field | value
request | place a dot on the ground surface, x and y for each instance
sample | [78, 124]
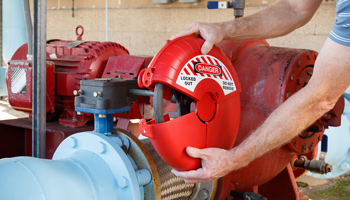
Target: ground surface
[317, 189]
[325, 189]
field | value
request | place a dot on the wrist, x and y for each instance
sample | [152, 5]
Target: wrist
[229, 29]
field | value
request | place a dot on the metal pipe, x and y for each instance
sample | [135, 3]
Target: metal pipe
[158, 103]
[238, 6]
[315, 166]
[141, 92]
[148, 93]
[39, 80]
[29, 28]
[13, 27]
[85, 166]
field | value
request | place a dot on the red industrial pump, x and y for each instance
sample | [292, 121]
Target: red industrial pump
[221, 98]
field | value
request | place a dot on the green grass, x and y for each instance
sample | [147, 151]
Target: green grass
[339, 191]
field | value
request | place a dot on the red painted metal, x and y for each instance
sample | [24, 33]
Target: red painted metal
[127, 66]
[16, 136]
[211, 82]
[74, 61]
[22, 100]
[268, 76]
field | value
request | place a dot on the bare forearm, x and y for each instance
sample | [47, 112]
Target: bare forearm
[276, 20]
[330, 79]
[287, 121]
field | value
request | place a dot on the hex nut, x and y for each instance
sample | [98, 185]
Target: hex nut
[101, 148]
[123, 182]
[72, 142]
[345, 166]
[203, 194]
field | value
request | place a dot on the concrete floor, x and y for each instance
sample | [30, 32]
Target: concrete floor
[6, 112]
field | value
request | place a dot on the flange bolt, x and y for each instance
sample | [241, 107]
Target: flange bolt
[122, 182]
[203, 194]
[97, 94]
[76, 92]
[143, 176]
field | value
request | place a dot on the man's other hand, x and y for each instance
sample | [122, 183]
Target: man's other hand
[215, 164]
[212, 33]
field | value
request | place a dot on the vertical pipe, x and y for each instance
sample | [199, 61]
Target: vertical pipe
[13, 27]
[106, 20]
[29, 28]
[39, 80]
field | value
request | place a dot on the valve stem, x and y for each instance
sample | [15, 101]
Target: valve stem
[315, 166]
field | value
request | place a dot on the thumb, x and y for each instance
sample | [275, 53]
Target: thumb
[206, 47]
[193, 152]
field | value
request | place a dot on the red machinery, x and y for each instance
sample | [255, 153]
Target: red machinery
[267, 76]
[68, 63]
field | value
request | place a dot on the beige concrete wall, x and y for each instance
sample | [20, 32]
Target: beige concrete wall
[143, 27]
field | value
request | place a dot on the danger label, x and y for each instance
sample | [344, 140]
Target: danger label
[204, 67]
[207, 68]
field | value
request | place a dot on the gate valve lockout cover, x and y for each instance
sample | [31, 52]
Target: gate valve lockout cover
[209, 82]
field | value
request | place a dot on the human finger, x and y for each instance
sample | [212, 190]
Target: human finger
[193, 176]
[193, 28]
[194, 152]
[206, 47]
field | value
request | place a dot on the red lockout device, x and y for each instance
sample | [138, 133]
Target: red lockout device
[207, 81]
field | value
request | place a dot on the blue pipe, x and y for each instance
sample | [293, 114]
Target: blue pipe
[13, 26]
[87, 165]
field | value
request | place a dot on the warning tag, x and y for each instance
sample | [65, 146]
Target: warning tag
[203, 67]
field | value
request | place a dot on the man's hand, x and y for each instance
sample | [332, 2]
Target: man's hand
[212, 33]
[215, 164]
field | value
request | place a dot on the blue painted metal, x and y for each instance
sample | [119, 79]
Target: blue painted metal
[13, 26]
[96, 111]
[86, 165]
[103, 124]
[213, 5]
[338, 145]
[103, 118]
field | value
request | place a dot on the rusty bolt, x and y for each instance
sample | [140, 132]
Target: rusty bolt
[299, 63]
[288, 94]
[311, 145]
[308, 55]
[304, 149]
[329, 168]
[295, 143]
